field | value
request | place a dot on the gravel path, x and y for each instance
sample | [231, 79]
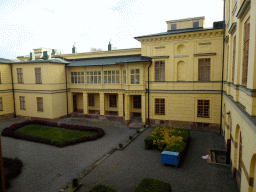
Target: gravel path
[48, 168]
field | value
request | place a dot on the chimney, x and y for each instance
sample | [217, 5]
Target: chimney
[74, 49]
[46, 55]
[109, 46]
[32, 56]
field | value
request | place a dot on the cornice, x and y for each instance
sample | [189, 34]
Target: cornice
[204, 54]
[232, 29]
[244, 9]
[183, 36]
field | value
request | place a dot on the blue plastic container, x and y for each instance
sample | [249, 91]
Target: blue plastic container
[169, 157]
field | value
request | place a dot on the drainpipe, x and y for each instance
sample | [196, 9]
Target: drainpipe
[148, 93]
[66, 87]
[223, 56]
[13, 93]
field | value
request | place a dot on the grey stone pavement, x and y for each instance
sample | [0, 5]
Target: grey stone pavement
[48, 168]
[124, 169]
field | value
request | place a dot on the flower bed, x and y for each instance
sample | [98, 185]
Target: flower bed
[11, 132]
[168, 139]
[153, 185]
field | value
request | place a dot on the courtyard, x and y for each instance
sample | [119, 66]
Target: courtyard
[48, 169]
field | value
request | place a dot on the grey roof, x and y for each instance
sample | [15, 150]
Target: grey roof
[170, 32]
[52, 60]
[2, 60]
[99, 61]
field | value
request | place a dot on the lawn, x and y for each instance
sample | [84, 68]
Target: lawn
[53, 133]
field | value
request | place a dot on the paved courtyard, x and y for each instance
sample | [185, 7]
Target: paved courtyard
[48, 168]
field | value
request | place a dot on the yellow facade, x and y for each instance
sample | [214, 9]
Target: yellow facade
[238, 106]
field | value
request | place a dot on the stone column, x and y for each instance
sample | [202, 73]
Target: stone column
[102, 104]
[70, 103]
[120, 105]
[127, 109]
[143, 109]
[85, 102]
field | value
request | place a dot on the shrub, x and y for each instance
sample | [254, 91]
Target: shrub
[102, 188]
[12, 167]
[177, 147]
[149, 185]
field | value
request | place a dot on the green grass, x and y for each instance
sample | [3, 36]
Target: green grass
[53, 133]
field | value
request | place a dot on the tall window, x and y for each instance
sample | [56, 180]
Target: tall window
[203, 108]
[1, 104]
[111, 77]
[40, 104]
[77, 77]
[137, 101]
[20, 75]
[0, 78]
[204, 69]
[234, 60]
[173, 26]
[38, 75]
[196, 24]
[159, 70]
[91, 99]
[93, 77]
[124, 76]
[159, 106]
[135, 76]
[22, 102]
[112, 101]
[246, 51]
[227, 60]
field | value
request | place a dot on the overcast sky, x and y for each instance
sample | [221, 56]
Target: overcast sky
[58, 24]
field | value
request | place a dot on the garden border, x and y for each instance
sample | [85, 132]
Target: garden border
[11, 132]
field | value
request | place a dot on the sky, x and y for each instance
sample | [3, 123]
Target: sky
[58, 24]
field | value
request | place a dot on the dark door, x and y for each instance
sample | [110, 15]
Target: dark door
[74, 103]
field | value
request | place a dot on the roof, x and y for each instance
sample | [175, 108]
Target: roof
[99, 61]
[53, 60]
[2, 60]
[170, 32]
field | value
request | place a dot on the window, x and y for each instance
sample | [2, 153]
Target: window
[124, 76]
[159, 71]
[0, 78]
[111, 77]
[137, 101]
[40, 104]
[246, 52]
[77, 77]
[159, 106]
[204, 70]
[135, 76]
[22, 102]
[93, 77]
[203, 108]
[38, 75]
[112, 101]
[227, 60]
[196, 24]
[20, 75]
[234, 60]
[173, 26]
[91, 99]
[1, 104]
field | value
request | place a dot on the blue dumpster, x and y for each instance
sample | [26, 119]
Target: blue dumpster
[169, 157]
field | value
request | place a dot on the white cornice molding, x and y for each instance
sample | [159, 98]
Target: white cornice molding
[182, 36]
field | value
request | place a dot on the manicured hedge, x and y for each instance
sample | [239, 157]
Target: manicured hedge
[168, 139]
[102, 188]
[11, 132]
[153, 185]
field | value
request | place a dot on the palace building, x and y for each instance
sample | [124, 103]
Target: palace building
[188, 76]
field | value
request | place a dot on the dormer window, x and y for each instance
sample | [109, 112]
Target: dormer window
[174, 26]
[196, 24]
